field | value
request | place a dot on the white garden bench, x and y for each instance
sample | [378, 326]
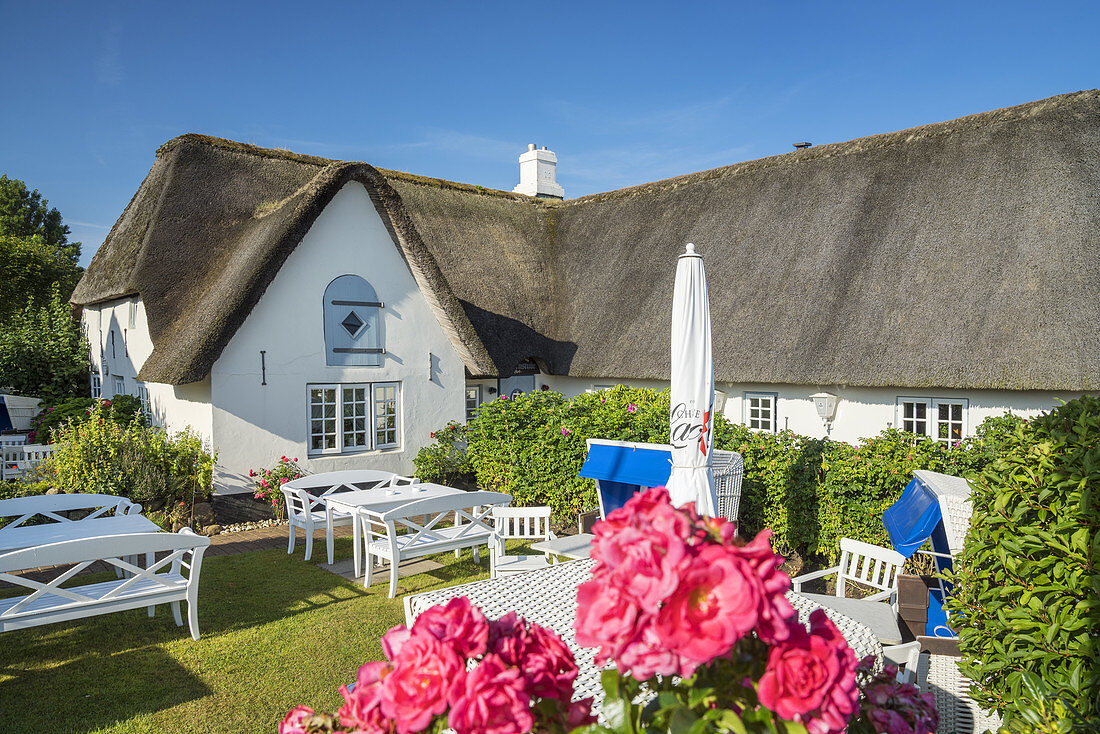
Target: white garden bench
[161, 582]
[21, 459]
[417, 529]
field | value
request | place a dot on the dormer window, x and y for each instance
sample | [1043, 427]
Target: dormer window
[353, 329]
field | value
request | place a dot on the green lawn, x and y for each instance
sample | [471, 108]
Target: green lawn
[276, 632]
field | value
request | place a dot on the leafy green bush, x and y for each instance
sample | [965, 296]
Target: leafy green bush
[121, 409]
[1027, 584]
[42, 351]
[810, 492]
[269, 483]
[445, 460]
[147, 465]
[18, 488]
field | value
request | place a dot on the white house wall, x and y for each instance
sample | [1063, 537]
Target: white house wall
[255, 424]
[171, 406]
[861, 412]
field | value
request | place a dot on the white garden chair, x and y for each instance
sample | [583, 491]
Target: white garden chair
[878, 568]
[518, 523]
[305, 510]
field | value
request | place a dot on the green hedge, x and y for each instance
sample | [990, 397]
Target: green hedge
[810, 492]
[1027, 601]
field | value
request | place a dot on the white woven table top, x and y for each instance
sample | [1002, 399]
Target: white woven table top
[548, 597]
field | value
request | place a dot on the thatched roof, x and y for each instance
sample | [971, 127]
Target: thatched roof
[964, 254]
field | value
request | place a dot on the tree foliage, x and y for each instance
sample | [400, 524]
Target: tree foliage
[26, 214]
[1027, 584]
[29, 267]
[43, 353]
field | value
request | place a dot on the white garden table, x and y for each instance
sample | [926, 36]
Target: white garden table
[548, 597]
[574, 547]
[379, 499]
[32, 535]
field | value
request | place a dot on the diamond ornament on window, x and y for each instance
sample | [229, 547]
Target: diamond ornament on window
[352, 324]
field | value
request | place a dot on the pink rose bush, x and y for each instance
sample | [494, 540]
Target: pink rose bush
[889, 707]
[455, 669]
[270, 481]
[676, 594]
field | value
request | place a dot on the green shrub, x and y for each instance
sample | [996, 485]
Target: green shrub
[811, 492]
[147, 465]
[18, 488]
[1027, 584]
[444, 461]
[121, 409]
[269, 483]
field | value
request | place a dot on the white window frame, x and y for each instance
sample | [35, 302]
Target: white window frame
[120, 385]
[97, 385]
[900, 414]
[932, 413]
[371, 416]
[473, 392]
[132, 316]
[747, 416]
[141, 391]
[396, 414]
[963, 427]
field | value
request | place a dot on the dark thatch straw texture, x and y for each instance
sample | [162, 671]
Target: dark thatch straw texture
[963, 254]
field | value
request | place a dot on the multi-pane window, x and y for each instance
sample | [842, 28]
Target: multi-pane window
[760, 411]
[120, 385]
[473, 399]
[356, 421]
[353, 417]
[143, 397]
[950, 420]
[132, 320]
[914, 416]
[942, 419]
[97, 386]
[385, 415]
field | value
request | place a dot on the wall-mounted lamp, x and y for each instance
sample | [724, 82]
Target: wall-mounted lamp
[492, 390]
[719, 402]
[825, 403]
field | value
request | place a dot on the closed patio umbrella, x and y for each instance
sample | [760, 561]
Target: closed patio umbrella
[691, 413]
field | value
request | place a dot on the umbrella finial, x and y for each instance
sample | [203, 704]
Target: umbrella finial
[689, 251]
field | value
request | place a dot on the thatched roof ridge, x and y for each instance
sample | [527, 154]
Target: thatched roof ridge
[856, 146]
[208, 229]
[959, 254]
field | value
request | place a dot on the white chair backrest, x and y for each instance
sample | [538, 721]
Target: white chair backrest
[868, 564]
[347, 481]
[48, 507]
[471, 510]
[522, 522]
[299, 502]
[13, 439]
[11, 454]
[111, 548]
[36, 453]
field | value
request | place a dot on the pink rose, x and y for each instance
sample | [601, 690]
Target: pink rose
[548, 665]
[284, 480]
[775, 612]
[459, 624]
[394, 640]
[362, 709]
[263, 483]
[632, 408]
[811, 677]
[646, 655]
[606, 618]
[295, 720]
[251, 473]
[491, 700]
[419, 687]
[565, 431]
[295, 459]
[714, 606]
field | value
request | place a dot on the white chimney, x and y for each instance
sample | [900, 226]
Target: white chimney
[538, 173]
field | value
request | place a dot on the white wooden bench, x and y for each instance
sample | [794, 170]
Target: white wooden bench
[21, 459]
[170, 580]
[416, 528]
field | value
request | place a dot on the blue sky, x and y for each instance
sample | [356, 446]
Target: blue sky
[624, 92]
